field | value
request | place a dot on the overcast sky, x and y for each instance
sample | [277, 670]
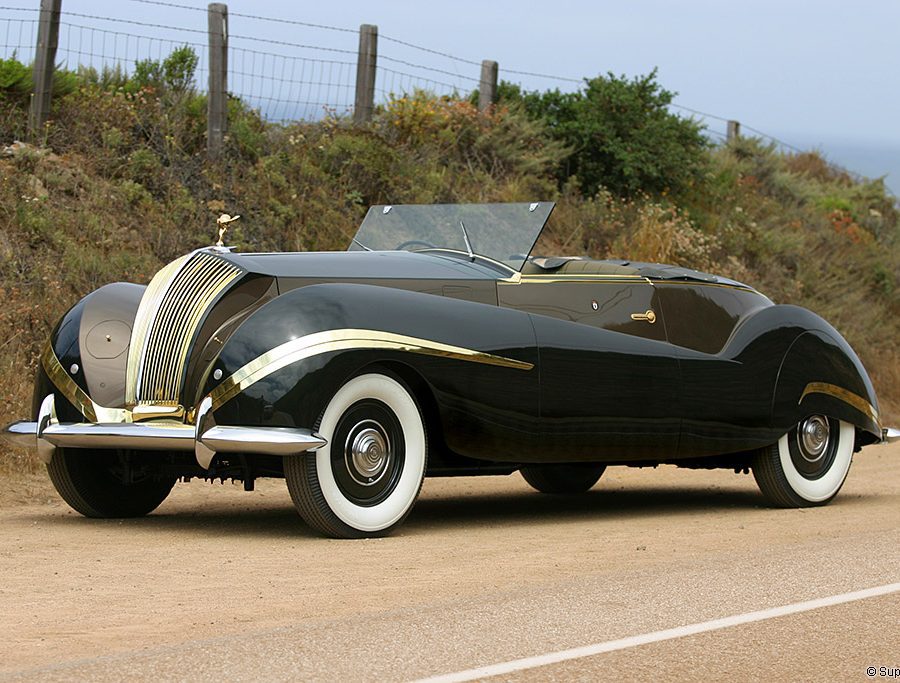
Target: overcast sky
[818, 73]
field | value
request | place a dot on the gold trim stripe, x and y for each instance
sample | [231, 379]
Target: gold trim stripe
[582, 276]
[848, 397]
[74, 394]
[547, 278]
[339, 340]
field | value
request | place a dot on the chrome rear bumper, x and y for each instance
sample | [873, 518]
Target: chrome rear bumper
[205, 439]
[889, 435]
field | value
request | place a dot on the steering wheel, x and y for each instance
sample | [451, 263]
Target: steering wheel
[411, 243]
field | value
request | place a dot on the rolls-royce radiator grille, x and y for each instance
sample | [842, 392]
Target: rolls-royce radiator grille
[169, 314]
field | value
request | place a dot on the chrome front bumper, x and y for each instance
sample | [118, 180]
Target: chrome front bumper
[205, 438]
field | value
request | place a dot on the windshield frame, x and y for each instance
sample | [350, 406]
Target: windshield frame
[498, 234]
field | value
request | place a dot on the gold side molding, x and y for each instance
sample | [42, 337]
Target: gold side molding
[848, 397]
[346, 339]
[74, 394]
[589, 278]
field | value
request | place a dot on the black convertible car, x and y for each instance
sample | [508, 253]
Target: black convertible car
[437, 346]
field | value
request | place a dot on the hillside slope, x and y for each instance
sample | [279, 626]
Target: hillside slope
[119, 186]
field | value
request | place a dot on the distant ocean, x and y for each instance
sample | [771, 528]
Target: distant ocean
[873, 161]
[863, 157]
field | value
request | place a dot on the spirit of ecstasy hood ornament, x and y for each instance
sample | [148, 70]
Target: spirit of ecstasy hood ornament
[223, 221]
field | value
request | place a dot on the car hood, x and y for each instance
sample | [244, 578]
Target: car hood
[351, 265]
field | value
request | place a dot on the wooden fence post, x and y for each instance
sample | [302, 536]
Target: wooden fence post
[44, 64]
[217, 102]
[734, 130]
[487, 91]
[364, 103]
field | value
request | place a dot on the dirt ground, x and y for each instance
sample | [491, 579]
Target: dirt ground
[222, 583]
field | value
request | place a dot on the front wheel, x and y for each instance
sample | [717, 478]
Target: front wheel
[108, 483]
[364, 481]
[808, 465]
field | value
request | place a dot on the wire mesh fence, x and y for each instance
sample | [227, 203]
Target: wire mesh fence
[284, 80]
[82, 46]
[294, 81]
[19, 36]
[286, 88]
[297, 80]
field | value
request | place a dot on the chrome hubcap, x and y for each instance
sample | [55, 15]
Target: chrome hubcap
[368, 454]
[813, 436]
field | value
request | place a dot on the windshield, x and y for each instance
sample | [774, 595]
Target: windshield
[502, 232]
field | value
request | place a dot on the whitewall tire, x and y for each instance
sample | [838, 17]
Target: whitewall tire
[367, 477]
[808, 465]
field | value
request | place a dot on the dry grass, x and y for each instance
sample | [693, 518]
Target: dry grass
[121, 193]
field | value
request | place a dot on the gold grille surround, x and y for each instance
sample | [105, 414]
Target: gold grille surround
[168, 316]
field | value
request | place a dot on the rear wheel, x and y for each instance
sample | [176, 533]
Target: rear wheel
[107, 483]
[570, 478]
[364, 481]
[808, 465]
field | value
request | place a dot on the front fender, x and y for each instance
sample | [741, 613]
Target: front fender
[283, 364]
[85, 361]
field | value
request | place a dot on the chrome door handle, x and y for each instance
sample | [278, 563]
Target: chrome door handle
[649, 316]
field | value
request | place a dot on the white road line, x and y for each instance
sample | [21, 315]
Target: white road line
[657, 636]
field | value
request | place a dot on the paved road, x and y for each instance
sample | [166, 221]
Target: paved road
[225, 584]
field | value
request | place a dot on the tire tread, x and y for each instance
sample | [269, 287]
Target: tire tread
[769, 475]
[80, 484]
[306, 492]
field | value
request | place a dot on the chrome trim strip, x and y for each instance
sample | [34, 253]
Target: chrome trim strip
[853, 400]
[46, 419]
[204, 421]
[124, 435]
[270, 440]
[21, 434]
[345, 339]
[27, 434]
[280, 441]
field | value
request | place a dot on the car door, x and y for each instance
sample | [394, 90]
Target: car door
[609, 379]
[725, 397]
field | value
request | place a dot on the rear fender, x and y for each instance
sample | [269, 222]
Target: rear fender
[821, 374]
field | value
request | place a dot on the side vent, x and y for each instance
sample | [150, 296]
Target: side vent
[170, 312]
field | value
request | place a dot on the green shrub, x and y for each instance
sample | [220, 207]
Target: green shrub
[15, 78]
[178, 69]
[621, 134]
